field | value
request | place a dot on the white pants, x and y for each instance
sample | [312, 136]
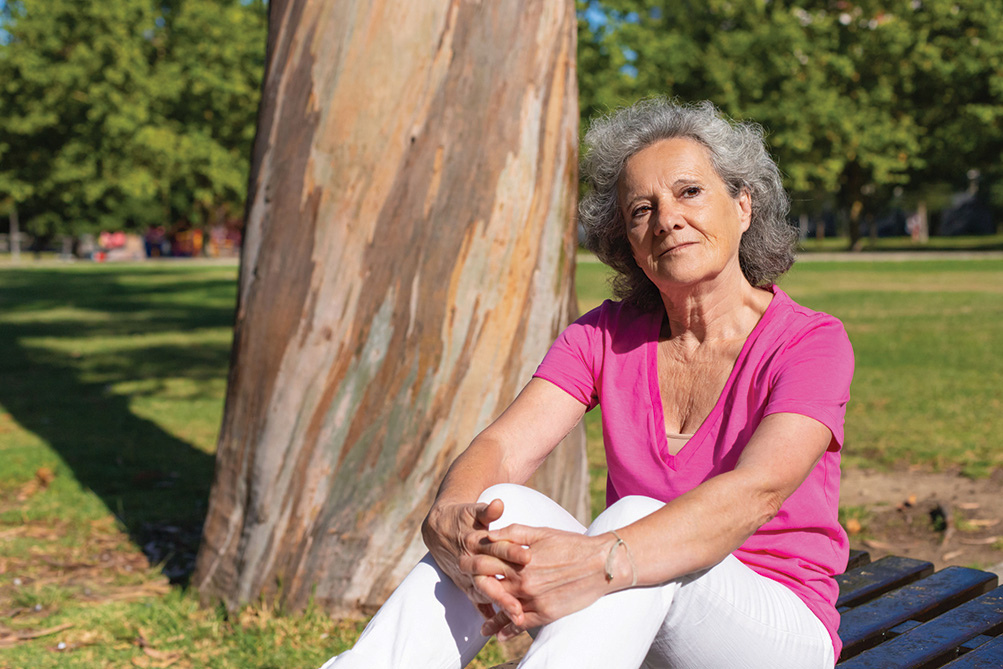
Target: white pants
[727, 616]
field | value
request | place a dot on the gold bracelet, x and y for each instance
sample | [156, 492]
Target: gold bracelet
[630, 557]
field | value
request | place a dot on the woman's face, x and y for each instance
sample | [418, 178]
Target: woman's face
[683, 225]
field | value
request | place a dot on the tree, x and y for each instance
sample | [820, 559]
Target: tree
[75, 90]
[797, 71]
[859, 97]
[408, 260]
[954, 77]
[127, 113]
[210, 58]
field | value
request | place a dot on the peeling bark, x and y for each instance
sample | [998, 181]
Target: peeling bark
[409, 258]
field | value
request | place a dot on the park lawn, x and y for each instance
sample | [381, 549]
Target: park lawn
[112, 380]
[928, 343]
[957, 243]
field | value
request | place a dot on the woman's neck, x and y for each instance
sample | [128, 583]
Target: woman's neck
[726, 308]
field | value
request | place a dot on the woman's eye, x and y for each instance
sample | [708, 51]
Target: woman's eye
[691, 191]
[640, 211]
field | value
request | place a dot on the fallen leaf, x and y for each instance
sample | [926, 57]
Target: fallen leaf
[880, 545]
[885, 546]
[12, 638]
[44, 476]
[161, 654]
[155, 659]
[984, 522]
[853, 526]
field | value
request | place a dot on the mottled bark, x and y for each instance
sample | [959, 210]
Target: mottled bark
[409, 258]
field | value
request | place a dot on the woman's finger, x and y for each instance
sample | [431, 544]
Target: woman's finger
[494, 624]
[493, 589]
[488, 611]
[515, 554]
[486, 565]
[509, 631]
[488, 513]
[521, 535]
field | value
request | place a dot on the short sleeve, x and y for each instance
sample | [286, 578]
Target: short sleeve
[812, 376]
[572, 363]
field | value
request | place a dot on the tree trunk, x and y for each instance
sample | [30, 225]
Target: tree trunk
[15, 235]
[923, 227]
[409, 258]
[853, 182]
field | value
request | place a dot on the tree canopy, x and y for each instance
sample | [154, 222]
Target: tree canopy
[121, 114]
[125, 113]
[858, 97]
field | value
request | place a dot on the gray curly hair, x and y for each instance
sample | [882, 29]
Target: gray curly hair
[739, 156]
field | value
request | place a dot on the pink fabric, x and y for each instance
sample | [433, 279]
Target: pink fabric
[795, 361]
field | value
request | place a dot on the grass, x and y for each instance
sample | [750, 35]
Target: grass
[960, 243]
[927, 342]
[113, 379]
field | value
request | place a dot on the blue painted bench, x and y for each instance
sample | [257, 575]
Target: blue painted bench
[898, 613]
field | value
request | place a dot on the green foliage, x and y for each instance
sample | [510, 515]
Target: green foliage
[126, 113]
[858, 97]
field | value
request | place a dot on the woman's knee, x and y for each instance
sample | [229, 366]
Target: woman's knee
[525, 506]
[623, 512]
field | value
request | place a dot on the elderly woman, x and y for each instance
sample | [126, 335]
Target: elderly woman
[722, 406]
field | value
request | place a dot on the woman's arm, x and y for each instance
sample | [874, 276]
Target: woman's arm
[716, 517]
[697, 530]
[507, 451]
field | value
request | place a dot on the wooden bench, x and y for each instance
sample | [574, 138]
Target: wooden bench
[898, 613]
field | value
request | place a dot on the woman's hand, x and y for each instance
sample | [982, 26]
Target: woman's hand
[507, 451]
[565, 572]
[457, 537]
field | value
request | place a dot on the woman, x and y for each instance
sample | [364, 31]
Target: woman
[722, 403]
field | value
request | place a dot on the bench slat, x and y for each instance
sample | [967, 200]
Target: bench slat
[869, 581]
[974, 643]
[866, 625]
[857, 558]
[987, 656]
[936, 642]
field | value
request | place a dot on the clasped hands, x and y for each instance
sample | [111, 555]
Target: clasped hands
[518, 577]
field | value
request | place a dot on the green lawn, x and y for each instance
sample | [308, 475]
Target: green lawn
[928, 342]
[960, 243]
[111, 389]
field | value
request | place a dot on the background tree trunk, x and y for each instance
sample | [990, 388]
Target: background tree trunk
[15, 235]
[409, 258]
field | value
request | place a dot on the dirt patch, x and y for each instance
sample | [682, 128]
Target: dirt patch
[945, 518]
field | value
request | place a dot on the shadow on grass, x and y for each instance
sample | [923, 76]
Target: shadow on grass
[156, 483]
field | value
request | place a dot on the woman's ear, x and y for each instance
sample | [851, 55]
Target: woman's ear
[744, 203]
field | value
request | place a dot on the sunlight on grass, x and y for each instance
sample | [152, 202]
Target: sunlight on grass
[113, 384]
[927, 341]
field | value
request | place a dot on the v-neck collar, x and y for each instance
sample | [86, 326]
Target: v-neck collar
[655, 394]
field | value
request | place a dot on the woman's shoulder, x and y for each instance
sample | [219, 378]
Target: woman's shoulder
[792, 315]
[796, 328]
[611, 314]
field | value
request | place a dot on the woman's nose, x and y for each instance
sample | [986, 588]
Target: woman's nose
[667, 218]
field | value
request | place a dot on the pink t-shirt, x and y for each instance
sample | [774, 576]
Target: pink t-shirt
[795, 361]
